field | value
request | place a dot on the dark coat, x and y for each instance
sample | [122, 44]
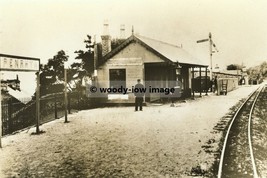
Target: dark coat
[141, 89]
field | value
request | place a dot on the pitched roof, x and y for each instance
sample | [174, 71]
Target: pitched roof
[23, 96]
[168, 52]
[172, 52]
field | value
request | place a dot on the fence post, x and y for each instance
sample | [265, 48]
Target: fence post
[37, 102]
[65, 95]
[69, 104]
[10, 123]
[193, 82]
[206, 77]
[200, 82]
[1, 129]
[55, 97]
[78, 95]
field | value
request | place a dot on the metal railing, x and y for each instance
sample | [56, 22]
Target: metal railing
[18, 114]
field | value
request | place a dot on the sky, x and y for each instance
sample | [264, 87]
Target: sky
[41, 28]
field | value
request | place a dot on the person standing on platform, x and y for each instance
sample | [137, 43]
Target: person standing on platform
[139, 95]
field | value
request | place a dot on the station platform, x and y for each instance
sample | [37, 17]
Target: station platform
[160, 141]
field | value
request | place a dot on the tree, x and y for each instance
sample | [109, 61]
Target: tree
[258, 72]
[234, 67]
[87, 56]
[51, 72]
[116, 42]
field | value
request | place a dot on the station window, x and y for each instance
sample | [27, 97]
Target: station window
[117, 78]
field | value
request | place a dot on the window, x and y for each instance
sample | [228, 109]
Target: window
[117, 78]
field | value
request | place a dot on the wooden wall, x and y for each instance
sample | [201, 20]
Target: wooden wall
[133, 59]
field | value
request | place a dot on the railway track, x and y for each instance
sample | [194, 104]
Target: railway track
[237, 156]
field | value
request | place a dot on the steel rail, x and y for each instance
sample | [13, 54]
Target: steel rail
[255, 172]
[228, 131]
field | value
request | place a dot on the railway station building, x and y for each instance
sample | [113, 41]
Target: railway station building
[156, 63]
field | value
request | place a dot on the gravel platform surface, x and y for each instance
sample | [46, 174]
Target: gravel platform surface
[161, 141]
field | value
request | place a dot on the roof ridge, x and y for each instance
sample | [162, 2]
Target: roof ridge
[158, 41]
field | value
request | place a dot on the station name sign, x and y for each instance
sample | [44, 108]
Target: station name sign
[18, 63]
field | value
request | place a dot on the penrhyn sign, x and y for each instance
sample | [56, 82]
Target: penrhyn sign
[18, 63]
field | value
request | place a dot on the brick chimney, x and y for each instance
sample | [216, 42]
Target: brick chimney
[106, 39]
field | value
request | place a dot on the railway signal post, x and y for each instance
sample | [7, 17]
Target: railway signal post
[211, 44]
